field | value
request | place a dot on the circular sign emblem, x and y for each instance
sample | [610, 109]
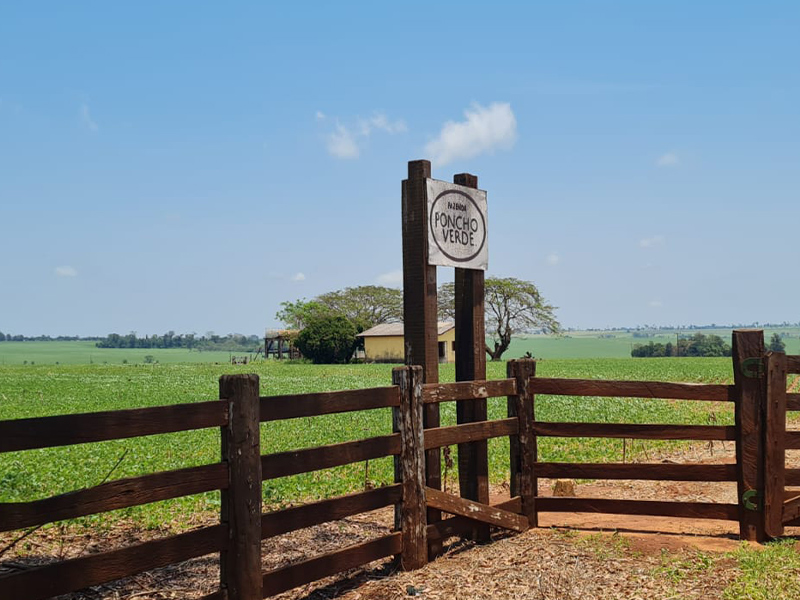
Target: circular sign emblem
[457, 225]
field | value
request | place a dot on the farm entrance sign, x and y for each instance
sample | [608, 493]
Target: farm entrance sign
[457, 226]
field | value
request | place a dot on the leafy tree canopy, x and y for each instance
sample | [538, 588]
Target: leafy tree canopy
[365, 306]
[776, 343]
[512, 306]
[328, 340]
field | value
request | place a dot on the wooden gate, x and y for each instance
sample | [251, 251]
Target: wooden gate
[782, 484]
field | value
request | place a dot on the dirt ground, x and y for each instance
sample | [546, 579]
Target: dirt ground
[569, 556]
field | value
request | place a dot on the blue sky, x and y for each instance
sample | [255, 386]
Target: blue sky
[189, 166]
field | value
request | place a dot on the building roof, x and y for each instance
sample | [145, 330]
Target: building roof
[396, 329]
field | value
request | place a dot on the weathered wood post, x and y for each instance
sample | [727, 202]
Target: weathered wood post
[473, 458]
[412, 518]
[240, 564]
[775, 444]
[420, 308]
[523, 445]
[750, 412]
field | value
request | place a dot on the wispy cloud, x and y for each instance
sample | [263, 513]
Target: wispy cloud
[485, 129]
[553, 259]
[656, 240]
[342, 143]
[670, 159]
[346, 141]
[66, 271]
[391, 279]
[298, 277]
[86, 118]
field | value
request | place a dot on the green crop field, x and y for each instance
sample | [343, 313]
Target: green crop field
[39, 390]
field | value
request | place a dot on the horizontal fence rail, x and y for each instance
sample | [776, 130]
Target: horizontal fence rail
[637, 432]
[467, 390]
[66, 430]
[633, 389]
[275, 408]
[122, 493]
[641, 471]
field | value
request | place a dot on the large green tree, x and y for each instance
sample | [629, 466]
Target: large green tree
[365, 306]
[512, 306]
[776, 343]
[328, 340]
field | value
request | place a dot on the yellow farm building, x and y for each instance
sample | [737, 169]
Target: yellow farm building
[384, 343]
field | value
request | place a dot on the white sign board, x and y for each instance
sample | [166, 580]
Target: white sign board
[457, 226]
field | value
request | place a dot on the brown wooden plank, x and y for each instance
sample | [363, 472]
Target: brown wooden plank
[656, 508]
[79, 573]
[523, 446]
[792, 476]
[308, 515]
[66, 430]
[774, 445]
[219, 595]
[240, 562]
[121, 493]
[457, 434]
[792, 401]
[470, 340]
[639, 432]
[275, 408]
[632, 389]
[792, 440]
[286, 578]
[464, 390]
[643, 471]
[413, 510]
[457, 526]
[791, 511]
[749, 413]
[293, 462]
[420, 305]
[793, 364]
[476, 511]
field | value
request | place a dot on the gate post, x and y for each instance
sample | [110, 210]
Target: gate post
[473, 457]
[420, 309]
[240, 564]
[775, 450]
[750, 413]
[408, 420]
[523, 445]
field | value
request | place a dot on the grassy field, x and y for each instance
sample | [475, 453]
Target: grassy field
[618, 344]
[39, 390]
[573, 344]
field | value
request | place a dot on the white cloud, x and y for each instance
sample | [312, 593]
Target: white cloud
[86, 118]
[553, 259]
[656, 240]
[66, 271]
[655, 304]
[485, 129]
[381, 122]
[298, 277]
[342, 143]
[670, 159]
[391, 279]
[346, 141]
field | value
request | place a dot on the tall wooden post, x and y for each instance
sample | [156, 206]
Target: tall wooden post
[775, 444]
[240, 564]
[523, 445]
[420, 308]
[750, 412]
[411, 517]
[473, 458]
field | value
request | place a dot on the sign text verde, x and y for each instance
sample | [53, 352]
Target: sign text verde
[457, 226]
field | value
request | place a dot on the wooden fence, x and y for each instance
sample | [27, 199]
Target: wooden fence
[238, 537]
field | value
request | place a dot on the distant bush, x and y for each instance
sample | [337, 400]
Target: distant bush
[698, 345]
[328, 340]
